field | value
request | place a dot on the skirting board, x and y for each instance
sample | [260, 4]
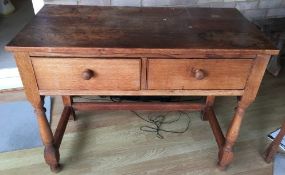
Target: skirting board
[10, 79]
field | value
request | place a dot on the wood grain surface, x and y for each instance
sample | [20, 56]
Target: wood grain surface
[146, 92]
[177, 73]
[66, 74]
[123, 28]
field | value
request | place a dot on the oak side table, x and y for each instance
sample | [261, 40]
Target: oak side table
[132, 51]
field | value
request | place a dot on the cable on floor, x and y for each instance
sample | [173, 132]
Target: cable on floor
[158, 121]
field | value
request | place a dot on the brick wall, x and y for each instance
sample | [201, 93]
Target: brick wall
[252, 9]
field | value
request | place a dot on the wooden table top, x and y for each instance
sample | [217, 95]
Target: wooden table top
[57, 28]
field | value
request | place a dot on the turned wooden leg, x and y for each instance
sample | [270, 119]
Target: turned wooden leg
[226, 152]
[209, 104]
[24, 64]
[250, 91]
[67, 101]
[51, 153]
[273, 147]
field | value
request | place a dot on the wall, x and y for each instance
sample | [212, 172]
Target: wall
[252, 9]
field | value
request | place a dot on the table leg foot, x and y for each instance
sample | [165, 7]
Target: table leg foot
[225, 158]
[222, 168]
[268, 154]
[55, 168]
[226, 151]
[52, 156]
[51, 152]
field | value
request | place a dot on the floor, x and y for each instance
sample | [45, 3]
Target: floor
[9, 26]
[111, 143]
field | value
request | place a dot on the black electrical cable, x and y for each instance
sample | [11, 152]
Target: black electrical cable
[159, 120]
[156, 120]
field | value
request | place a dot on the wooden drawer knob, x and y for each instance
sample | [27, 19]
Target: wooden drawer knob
[199, 74]
[87, 74]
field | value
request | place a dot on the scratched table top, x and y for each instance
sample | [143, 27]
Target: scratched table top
[62, 27]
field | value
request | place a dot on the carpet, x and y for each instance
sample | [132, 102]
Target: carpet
[18, 125]
[279, 164]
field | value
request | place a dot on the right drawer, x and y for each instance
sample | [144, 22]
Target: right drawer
[179, 74]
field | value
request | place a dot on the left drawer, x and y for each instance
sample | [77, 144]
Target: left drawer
[87, 73]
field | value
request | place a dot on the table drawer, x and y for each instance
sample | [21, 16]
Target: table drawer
[87, 73]
[198, 73]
